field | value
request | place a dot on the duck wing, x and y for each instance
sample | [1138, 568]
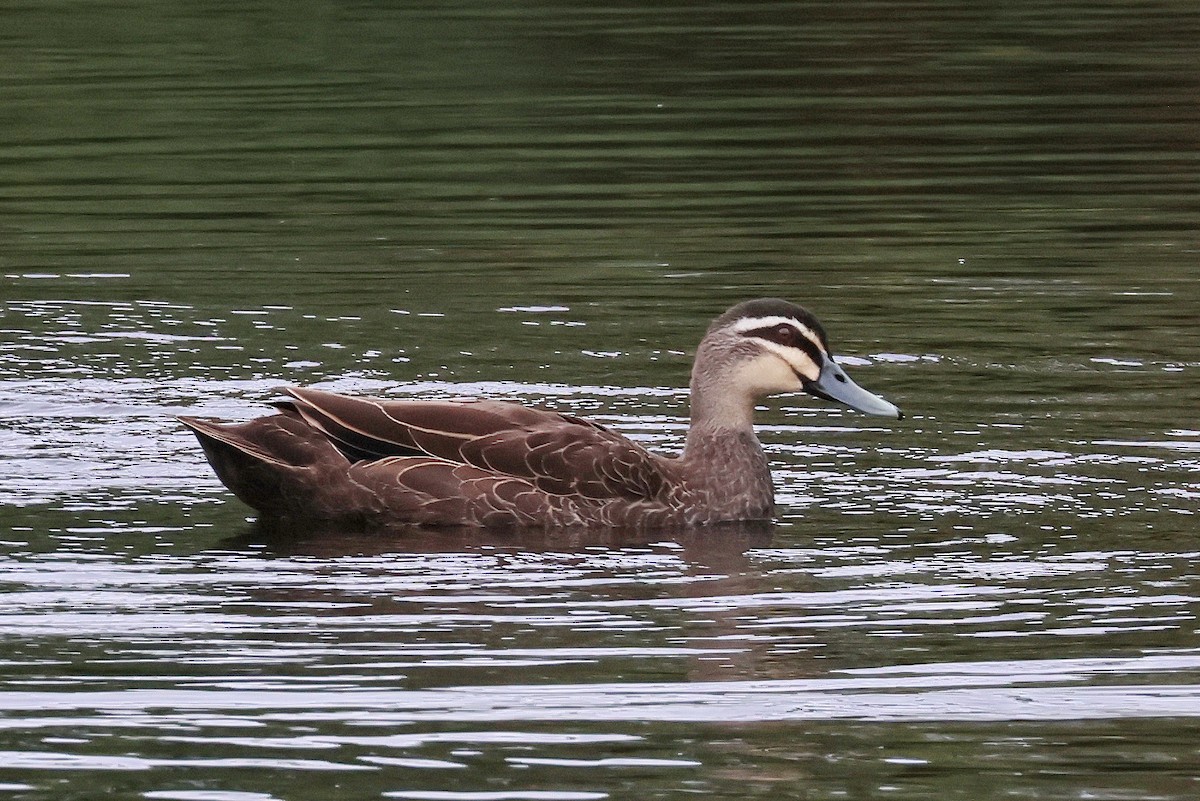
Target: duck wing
[557, 453]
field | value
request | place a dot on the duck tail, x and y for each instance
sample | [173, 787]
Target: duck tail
[275, 464]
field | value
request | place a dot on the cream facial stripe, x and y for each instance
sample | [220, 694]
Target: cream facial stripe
[804, 366]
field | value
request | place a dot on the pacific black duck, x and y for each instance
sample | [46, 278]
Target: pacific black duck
[333, 457]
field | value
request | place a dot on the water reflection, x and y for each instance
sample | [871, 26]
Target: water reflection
[727, 540]
[559, 663]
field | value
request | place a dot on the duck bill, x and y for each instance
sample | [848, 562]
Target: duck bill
[834, 385]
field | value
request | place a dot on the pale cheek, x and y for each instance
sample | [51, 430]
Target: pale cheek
[808, 370]
[792, 361]
[765, 377]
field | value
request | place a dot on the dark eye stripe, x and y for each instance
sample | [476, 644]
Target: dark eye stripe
[789, 337]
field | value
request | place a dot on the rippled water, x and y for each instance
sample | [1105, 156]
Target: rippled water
[992, 209]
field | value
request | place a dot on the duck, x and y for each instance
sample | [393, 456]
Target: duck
[337, 458]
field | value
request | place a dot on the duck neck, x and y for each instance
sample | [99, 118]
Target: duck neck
[724, 461]
[722, 424]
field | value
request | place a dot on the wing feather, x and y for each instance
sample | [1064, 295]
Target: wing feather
[555, 453]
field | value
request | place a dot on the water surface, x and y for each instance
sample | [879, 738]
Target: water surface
[991, 209]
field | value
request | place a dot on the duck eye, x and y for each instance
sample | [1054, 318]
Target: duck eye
[785, 335]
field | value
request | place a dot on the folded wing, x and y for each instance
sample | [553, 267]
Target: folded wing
[557, 453]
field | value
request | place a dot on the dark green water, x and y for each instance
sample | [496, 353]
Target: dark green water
[992, 207]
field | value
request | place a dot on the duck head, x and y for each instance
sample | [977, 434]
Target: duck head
[770, 347]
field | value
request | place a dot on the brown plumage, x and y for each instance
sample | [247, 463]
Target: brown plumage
[326, 456]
